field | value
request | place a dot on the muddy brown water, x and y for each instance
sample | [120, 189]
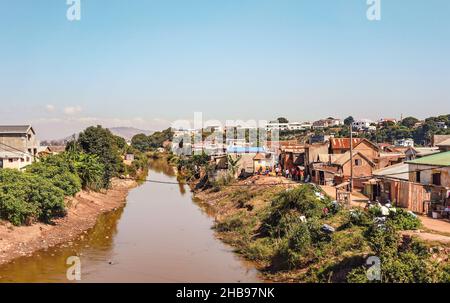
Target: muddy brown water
[161, 235]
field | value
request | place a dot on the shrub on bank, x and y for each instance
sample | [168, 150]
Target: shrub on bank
[293, 238]
[27, 197]
[59, 171]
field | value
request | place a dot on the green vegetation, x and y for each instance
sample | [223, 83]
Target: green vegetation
[409, 127]
[89, 163]
[304, 236]
[25, 197]
[145, 143]
[108, 148]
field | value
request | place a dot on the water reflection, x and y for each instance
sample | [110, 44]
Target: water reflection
[160, 236]
[50, 265]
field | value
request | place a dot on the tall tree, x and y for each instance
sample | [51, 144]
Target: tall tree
[409, 122]
[102, 143]
[349, 120]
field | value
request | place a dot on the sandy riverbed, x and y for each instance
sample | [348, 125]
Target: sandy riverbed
[83, 211]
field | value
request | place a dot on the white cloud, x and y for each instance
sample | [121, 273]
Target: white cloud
[50, 108]
[72, 110]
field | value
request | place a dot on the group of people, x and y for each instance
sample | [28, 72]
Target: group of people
[295, 173]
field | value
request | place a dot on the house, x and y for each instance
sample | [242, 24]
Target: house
[385, 146]
[441, 125]
[362, 124]
[444, 145]
[292, 156]
[333, 166]
[366, 147]
[56, 149]
[412, 153]
[362, 167]
[387, 120]
[328, 122]
[342, 145]
[247, 157]
[335, 169]
[436, 139]
[276, 126]
[433, 172]
[319, 138]
[391, 184]
[404, 142]
[43, 151]
[261, 162]
[389, 158]
[18, 146]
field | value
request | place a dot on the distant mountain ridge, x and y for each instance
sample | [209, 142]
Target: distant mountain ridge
[125, 132]
[129, 132]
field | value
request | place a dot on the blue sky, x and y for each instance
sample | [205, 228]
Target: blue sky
[148, 62]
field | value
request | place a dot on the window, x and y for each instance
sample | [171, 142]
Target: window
[418, 176]
[22, 160]
[358, 162]
[437, 178]
[10, 160]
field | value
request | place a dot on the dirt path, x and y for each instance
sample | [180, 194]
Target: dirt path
[83, 211]
[358, 199]
[429, 237]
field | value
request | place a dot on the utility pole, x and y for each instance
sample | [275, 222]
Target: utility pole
[351, 157]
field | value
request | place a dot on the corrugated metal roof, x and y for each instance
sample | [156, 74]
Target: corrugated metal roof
[14, 129]
[9, 155]
[397, 171]
[444, 143]
[441, 159]
[343, 143]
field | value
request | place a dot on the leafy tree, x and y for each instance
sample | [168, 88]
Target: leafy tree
[233, 164]
[89, 169]
[349, 120]
[102, 143]
[145, 143]
[409, 122]
[140, 142]
[282, 120]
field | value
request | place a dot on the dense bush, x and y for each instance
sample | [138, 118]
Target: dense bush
[59, 171]
[404, 220]
[89, 163]
[290, 205]
[292, 238]
[401, 261]
[146, 143]
[25, 197]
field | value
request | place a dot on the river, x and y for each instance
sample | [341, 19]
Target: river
[160, 235]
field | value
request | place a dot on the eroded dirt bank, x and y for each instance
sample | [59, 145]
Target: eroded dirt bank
[82, 213]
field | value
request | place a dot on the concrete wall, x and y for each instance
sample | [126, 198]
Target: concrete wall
[367, 150]
[363, 170]
[26, 143]
[427, 172]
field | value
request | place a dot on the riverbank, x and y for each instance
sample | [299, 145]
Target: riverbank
[284, 230]
[82, 213]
